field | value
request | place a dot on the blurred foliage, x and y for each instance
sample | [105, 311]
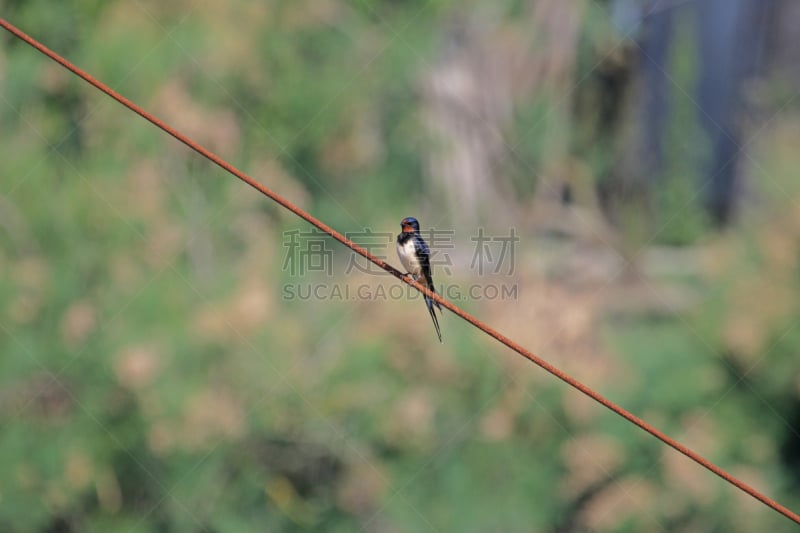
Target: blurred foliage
[154, 377]
[686, 148]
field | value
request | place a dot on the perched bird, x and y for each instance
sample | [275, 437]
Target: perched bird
[415, 256]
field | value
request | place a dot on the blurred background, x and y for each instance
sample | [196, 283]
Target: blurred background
[608, 182]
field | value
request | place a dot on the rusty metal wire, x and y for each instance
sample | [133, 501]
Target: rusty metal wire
[569, 380]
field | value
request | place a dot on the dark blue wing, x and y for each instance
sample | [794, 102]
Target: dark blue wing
[424, 255]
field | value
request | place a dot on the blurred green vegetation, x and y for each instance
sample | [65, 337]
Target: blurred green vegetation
[154, 378]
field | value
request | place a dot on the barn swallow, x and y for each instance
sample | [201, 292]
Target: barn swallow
[416, 258]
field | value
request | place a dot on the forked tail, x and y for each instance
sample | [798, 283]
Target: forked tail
[429, 302]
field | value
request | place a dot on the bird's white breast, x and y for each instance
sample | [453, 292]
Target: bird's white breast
[408, 256]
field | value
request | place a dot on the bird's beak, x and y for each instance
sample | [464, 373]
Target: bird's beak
[407, 228]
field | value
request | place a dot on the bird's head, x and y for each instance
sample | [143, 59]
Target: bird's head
[409, 225]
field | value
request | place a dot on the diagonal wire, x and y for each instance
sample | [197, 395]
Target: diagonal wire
[742, 379]
[654, 9]
[363, 69]
[55, 146]
[513, 380]
[251, 117]
[339, 433]
[788, 513]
